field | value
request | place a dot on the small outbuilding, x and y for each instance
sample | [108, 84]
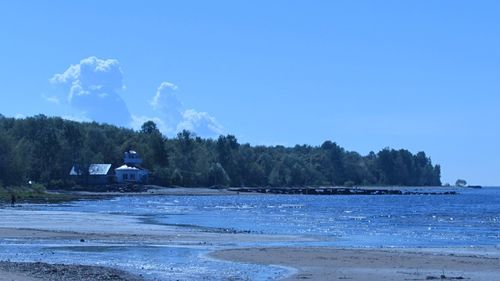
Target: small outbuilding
[93, 174]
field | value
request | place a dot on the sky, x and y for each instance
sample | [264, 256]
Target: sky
[419, 75]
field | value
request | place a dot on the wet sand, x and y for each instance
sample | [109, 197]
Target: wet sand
[362, 264]
[54, 225]
[90, 228]
[305, 264]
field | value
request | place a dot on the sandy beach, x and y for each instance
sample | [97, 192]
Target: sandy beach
[359, 264]
[302, 263]
[84, 229]
[306, 264]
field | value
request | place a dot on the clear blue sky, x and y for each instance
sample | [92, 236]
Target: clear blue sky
[421, 75]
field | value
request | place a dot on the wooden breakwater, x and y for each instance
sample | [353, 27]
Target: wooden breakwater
[337, 191]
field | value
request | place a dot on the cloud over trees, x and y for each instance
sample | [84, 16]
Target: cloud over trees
[171, 116]
[92, 88]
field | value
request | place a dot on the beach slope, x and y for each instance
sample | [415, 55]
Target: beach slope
[368, 264]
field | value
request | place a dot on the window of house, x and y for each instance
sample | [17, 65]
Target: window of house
[125, 177]
[132, 176]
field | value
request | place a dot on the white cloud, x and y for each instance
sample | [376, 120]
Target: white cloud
[93, 86]
[167, 106]
[171, 117]
[165, 96]
[90, 72]
[201, 123]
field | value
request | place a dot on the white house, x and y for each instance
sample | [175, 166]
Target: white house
[131, 171]
[131, 157]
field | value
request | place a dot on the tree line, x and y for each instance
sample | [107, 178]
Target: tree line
[43, 149]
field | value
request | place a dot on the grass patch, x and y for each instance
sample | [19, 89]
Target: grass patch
[35, 193]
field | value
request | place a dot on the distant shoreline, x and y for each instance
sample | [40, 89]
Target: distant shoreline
[214, 191]
[61, 196]
[58, 196]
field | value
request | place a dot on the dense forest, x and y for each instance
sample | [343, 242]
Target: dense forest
[43, 149]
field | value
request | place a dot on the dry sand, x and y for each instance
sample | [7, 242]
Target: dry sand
[361, 264]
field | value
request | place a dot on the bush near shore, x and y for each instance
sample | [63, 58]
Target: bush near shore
[35, 193]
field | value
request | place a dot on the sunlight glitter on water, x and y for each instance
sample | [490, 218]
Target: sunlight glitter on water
[471, 218]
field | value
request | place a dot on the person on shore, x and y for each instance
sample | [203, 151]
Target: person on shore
[13, 200]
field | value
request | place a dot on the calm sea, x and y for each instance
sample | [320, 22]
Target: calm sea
[468, 219]
[471, 218]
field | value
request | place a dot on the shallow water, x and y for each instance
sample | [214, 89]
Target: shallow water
[469, 219]
[155, 262]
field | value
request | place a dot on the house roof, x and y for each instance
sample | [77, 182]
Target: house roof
[99, 169]
[126, 167]
[75, 170]
[94, 170]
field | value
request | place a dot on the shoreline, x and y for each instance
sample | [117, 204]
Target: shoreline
[308, 190]
[61, 196]
[303, 263]
[293, 253]
[45, 268]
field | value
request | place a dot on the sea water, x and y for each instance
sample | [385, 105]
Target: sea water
[468, 219]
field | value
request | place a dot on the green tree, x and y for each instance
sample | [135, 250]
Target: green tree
[43, 149]
[217, 175]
